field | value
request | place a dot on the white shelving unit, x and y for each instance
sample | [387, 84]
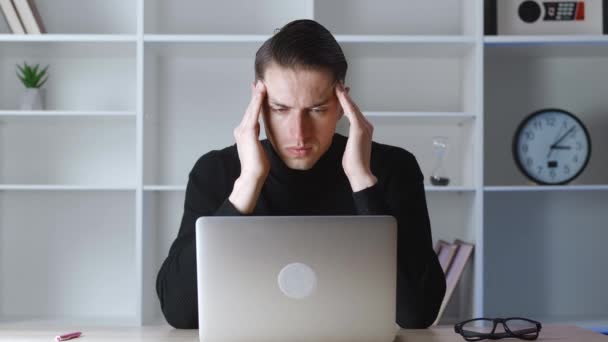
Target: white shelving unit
[140, 89]
[544, 242]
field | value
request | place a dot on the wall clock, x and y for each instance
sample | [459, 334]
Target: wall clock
[551, 146]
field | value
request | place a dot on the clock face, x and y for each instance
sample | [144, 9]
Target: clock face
[551, 146]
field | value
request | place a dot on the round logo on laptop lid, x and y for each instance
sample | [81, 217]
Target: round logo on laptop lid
[297, 280]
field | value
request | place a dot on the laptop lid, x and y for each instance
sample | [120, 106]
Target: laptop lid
[273, 278]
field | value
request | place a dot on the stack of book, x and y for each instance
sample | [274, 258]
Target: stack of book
[22, 16]
[453, 258]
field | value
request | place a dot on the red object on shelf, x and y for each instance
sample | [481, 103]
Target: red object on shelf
[69, 336]
[580, 11]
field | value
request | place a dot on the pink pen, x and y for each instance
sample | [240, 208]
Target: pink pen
[68, 336]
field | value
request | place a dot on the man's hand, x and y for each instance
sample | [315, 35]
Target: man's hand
[254, 161]
[357, 155]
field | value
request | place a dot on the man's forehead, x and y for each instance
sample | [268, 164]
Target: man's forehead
[285, 83]
[299, 97]
[317, 103]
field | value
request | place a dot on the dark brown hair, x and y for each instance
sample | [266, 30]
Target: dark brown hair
[302, 43]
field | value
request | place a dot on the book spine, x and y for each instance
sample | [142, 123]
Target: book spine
[27, 16]
[11, 16]
[490, 18]
[37, 16]
[463, 252]
[605, 16]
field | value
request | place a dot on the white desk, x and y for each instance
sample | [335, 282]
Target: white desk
[46, 333]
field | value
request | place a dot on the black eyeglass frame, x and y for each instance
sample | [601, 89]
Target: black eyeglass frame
[521, 334]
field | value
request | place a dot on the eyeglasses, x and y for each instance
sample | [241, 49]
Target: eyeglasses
[485, 328]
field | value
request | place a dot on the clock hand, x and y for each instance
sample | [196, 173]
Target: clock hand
[559, 131]
[563, 136]
[560, 147]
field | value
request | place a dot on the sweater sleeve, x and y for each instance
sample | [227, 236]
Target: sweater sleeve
[420, 279]
[206, 195]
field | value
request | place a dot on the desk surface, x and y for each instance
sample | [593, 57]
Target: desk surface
[16, 332]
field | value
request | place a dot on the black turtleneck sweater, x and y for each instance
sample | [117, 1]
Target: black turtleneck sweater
[322, 190]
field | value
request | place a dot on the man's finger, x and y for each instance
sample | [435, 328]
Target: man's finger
[249, 106]
[344, 101]
[351, 110]
[252, 114]
[356, 109]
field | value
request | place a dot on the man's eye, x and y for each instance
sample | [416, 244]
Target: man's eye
[280, 110]
[318, 110]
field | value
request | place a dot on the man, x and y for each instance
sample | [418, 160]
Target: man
[304, 168]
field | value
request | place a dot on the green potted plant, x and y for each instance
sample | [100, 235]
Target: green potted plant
[33, 78]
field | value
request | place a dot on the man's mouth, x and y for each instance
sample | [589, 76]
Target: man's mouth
[299, 151]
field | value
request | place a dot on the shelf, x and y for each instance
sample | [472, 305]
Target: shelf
[431, 17]
[545, 39]
[64, 113]
[203, 47]
[163, 211]
[458, 118]
[69, 17]
[340, 17]
[398, 47]
[69, 38]
[406, 39]
[90, 77]
[546, 46]
[49, 52]
[414, 132]
[164, 188]
[451, 214]
[432, 188]
[80, 251]
[517, 87]
[550, 188]
[85, 152]
[356, 45]
[42, 187]
[260, 38]
[232, 17]
[547, 254]
[204, 38]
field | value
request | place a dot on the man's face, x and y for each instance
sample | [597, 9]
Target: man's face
[300, 113]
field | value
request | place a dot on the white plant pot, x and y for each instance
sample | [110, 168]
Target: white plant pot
[33, 99]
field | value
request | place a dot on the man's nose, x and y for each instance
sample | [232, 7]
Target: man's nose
[299, 126]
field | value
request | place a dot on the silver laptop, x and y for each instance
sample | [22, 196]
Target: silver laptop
[297, 278]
